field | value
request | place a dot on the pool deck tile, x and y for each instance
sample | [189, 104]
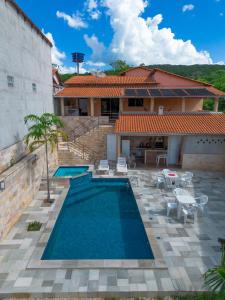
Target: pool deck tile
[184, 252]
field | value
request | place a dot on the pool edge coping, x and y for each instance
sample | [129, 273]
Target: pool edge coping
[35, 261]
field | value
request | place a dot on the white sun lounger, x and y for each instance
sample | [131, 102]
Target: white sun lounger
[121, 166]
[103, 166]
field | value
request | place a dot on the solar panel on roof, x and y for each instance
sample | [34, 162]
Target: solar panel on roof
[154, 92]
[199, 92]
[130, 92]
[179, 92]
[167, 92]
[142, 92]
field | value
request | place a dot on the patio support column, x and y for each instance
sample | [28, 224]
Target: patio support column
[92, 107]
[152, 105]
[118, 139]
[183, 104]
[62, 107]
[121, 105]
[216, 104]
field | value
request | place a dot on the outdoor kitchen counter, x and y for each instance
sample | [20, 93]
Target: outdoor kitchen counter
[151, 154]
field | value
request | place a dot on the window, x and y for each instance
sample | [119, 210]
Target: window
[135, 102]
[34, 87]
[10, 80]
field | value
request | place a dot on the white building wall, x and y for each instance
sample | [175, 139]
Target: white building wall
[26, 56]
[204, 145]
[204, 153]
[174, 147]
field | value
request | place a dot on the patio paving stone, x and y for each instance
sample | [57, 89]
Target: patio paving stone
[188, 250]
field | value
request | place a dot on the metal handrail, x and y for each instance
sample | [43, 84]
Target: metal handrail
[86, 151]
[86, 126]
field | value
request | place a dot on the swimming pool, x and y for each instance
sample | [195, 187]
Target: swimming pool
[98, 220]
[70, 171]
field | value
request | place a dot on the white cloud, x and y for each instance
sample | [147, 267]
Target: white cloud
[92, 8]
[138, 40]
[59, 56]
[98, 48]
[221, 62]
[188, 7]
[95, 64]
[74, 21]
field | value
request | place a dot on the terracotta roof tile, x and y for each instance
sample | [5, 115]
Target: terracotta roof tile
[205, 124]
[91, 92]
[112, 80]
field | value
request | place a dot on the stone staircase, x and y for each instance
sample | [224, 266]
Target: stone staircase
[87, 148]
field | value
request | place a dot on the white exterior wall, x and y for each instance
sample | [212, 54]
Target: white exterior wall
[174, 146]
[204, 145]
[204, 153]
[27, 57]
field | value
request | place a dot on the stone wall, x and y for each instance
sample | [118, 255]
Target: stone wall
[82, 123]
[10, 155]
[22, 182]
[208, 162]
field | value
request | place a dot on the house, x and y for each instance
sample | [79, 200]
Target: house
[155, 113]
[25, 78]
[137, 90]
[57, 86]
[56, 80]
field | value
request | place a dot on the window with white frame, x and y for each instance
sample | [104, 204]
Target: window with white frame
[34, 87]
[10, 81]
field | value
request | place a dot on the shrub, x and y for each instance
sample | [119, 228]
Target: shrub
[34, 226]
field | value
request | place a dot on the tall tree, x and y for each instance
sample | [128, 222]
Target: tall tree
[43, 130]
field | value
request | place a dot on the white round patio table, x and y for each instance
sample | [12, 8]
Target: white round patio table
[184, 200]
[171, 177]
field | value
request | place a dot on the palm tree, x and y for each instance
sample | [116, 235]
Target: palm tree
[43, 130]
[215, 277]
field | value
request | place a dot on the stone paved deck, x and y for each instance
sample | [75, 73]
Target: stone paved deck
[188, 250]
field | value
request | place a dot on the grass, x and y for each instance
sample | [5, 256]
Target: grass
[34, 226]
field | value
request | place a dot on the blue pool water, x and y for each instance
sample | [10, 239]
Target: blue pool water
[98, 220]
[70, 171]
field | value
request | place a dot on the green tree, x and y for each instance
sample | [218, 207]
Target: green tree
[118, 67]
[215, 278]
[43, 130]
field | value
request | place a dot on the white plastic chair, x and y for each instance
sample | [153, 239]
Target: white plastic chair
[189, 212]
[171, 205]
[160, 180]
[202, 203]
[121, 160]
[163, 157]
[103, 166]
[186, 179]
[121, 166]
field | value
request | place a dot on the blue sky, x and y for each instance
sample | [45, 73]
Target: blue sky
[138, 31]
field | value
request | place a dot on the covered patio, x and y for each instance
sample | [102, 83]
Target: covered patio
[188, 140]
[112, 101]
